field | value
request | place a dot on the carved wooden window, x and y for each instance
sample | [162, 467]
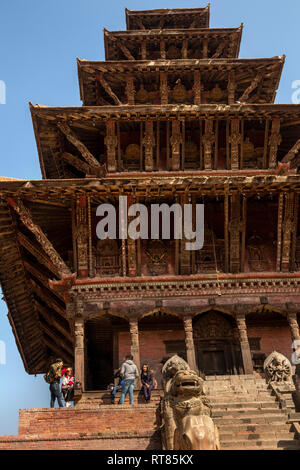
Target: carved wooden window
[254, 344]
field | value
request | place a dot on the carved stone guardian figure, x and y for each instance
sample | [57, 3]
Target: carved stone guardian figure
[185, 412]
[277, 368]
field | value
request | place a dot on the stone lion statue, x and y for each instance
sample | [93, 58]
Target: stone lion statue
[277, 368]
[185, 411]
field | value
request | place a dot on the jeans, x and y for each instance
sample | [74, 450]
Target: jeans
[114, 392]
[55, 393]
[127, 386]
[68, 394]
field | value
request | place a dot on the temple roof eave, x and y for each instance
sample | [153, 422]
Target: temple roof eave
[127, 111]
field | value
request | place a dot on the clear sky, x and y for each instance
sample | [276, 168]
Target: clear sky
[39, 43]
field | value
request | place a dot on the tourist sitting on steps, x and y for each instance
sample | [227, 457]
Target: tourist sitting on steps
[147, 382]
[67, 387]
[115, 389]
[129, 373]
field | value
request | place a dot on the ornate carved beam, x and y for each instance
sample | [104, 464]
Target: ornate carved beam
[48, 299]
[235, 141]
[140, 23]
[288, 227]
[131, 248]
[49, 318]
[148, 143]
[184, 49]
[163, 54]
[205, 48]
[44, 280]
[41, 257]
[111, 142]
[62, 343]
[57, 350]
[130, 89]
[292, 153]
[124, 49]
[251, 88]
[176, 142]
[72, 137]
[274, 141]
[235, 228]
[164, 90]
[47, 246]
[108, 89]
[197, 87]
[279, 231]
[219, 50]
[208, 141]
[231, 87]
[144, 50]
[81, 236]
[76, 163]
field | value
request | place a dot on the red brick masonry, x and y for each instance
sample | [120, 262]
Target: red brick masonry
[70, 428]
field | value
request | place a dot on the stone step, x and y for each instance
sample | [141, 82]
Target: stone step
[267, 435]
[254, 428]
[292, 444]
[250, 420]
[248, 413]
[245, 406]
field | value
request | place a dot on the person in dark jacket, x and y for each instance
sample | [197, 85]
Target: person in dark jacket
[55, 371]
[147, 382]
[116, 388]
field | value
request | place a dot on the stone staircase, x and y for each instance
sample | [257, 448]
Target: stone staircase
[248, 416]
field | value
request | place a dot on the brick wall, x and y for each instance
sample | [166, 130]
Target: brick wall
[272, 338]
[70, 428]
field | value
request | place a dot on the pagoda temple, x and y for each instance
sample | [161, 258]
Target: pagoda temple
[171, 116]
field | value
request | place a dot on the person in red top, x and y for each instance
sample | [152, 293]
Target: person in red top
[67, 387]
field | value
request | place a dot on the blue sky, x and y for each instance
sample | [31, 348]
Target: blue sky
[40, 40]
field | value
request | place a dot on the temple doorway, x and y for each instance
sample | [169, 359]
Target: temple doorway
[217, 347]
[101, 358]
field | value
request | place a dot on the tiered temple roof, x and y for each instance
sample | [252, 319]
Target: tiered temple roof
[171, 114]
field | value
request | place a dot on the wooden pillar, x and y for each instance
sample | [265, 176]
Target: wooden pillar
[164, 90]
[149, 143]
[144, 50]
[176, 141]
[235, 228]
[244, 343]
[134, 341]
[163, 54]
[293, 322]
[287, 231]
[235, 141]
[111, 142]
[231, 87]
[189, 342]
[208, 141]
[274, 141]
[130, 90]
[82, 236]
[197, 87]
[79, 351]
[279, 231]
[131, 249]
